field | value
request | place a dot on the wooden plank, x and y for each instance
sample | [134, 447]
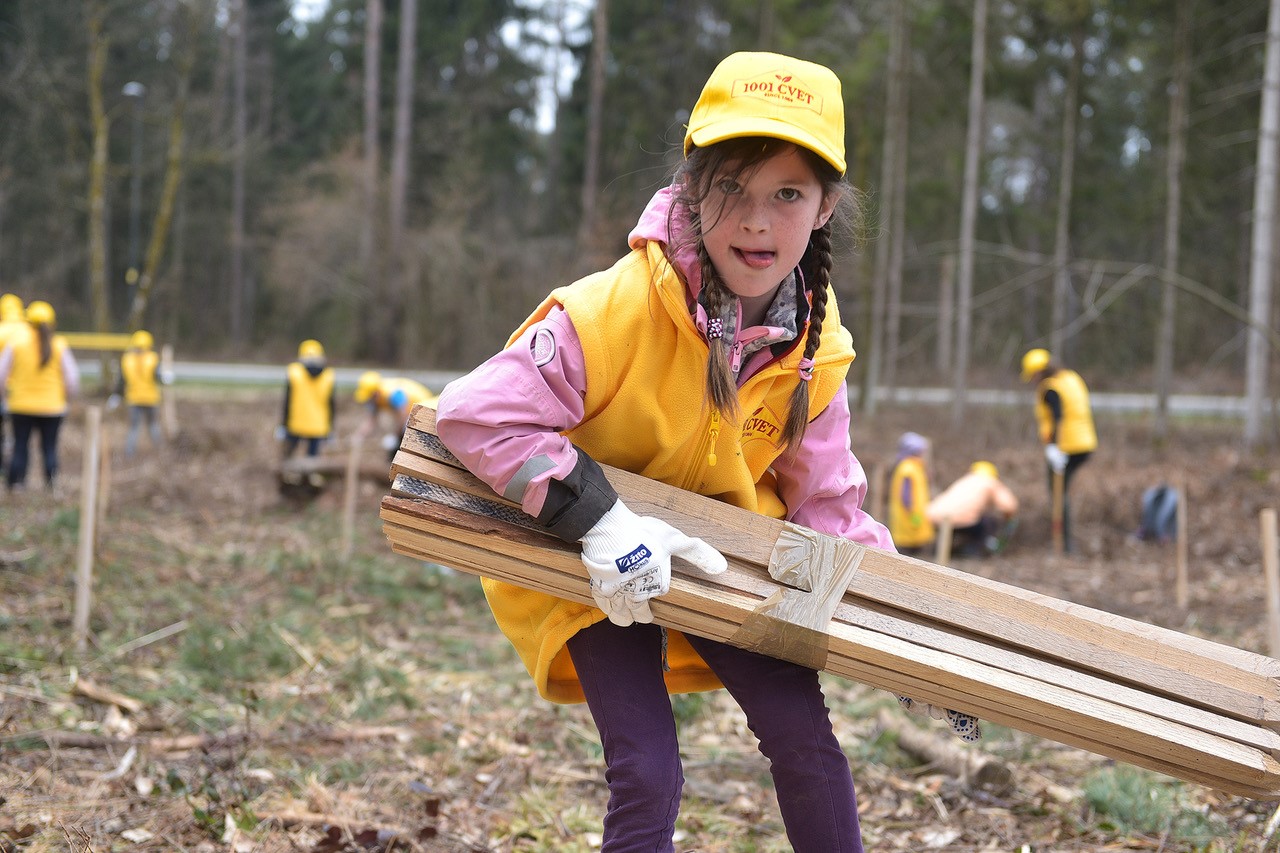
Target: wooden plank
[894, 622]
[101, 341]
[1123, 733]
[1210, 674]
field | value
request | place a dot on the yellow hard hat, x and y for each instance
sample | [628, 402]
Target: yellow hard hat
[141, 339]
[10, 307]
[310, 349]
[1033, 362]
[984, 467]
[367, 385]
[40, 313]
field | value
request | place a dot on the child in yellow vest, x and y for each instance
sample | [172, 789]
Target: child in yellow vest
[39, 378]
[309, 400]
[13, 326]
[712, 357]
[910, 527]
[140, 381]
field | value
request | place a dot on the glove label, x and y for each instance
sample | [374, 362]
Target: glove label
[634, 560]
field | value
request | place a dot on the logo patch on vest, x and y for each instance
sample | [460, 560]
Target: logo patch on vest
[543, 347]
[761, 425]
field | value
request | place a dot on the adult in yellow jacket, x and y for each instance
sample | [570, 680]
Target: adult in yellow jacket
[140, 381]
[1064, 419]
[910, 527]
[13, 325]
[309, 400]
[40, 378]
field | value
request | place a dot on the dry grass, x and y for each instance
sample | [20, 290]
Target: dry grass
[298, 701]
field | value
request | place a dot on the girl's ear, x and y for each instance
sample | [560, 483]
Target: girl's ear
[829, 202]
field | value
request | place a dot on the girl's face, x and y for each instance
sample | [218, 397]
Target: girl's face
[756, 225]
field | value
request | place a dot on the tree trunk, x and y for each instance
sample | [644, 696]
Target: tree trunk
[969, 208]
[1264, 212]
[239, 120]
[1173, 213]
[595, 108]
[401, 296]
[172, 179]
[898, 221]
[878, 362]
[374, 331]
[946, 313]
[1066, 178]
[101, 124]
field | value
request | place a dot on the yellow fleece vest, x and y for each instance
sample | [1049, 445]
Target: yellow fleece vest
[1076, 433]
[646, 412]
[309, 396]
[910, 528]
[138, 367]
[35, 388]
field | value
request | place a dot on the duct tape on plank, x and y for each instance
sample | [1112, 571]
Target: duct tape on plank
[791, 624]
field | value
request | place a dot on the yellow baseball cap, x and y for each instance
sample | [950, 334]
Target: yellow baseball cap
[1033, 362]
[310, 348]
[984, 467]
[768, 94]
[141, 339]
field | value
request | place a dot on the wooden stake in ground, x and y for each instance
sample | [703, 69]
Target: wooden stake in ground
[943, 554]
[352, 485]
[1180, 544]
[168, 405]
[1057, 511]
[1271, 568]
[88, 517]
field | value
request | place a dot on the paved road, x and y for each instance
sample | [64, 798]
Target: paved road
[346, 377]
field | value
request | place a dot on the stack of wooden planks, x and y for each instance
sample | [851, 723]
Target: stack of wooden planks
[1181, 705]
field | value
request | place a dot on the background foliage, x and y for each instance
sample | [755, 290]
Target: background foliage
[496, 168]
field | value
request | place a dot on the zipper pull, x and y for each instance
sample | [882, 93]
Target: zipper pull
[714, 435]
[735, 357]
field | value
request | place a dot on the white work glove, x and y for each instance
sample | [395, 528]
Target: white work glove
[390, 441]
[629, 560]
[281, 433]
[1056, 457]
[113, 402]
[166, 377]
[964, 725]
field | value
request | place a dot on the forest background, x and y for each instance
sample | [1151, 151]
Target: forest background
[402, 180]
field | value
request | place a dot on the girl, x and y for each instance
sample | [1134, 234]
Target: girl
[42, 376]
[712, 358]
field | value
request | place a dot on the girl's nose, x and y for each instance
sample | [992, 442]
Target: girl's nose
[754, 216]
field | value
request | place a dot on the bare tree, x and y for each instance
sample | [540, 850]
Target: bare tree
[400, 143]
[1066, 180]
[891, 152]
[101, 123]
[898, 221]
[969, 206]
[1173, 212]
[239, 146]
[1264, 213]
[595, 108]
[172, 177]
[372, 64]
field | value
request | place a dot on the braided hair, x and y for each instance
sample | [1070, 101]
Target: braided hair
[693, 183]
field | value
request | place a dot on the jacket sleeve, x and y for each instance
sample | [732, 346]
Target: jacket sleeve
[824, 485]
[504, 422]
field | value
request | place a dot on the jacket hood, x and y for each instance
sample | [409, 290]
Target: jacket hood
[667, 223]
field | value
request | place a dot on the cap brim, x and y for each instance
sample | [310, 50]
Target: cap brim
[736, 128]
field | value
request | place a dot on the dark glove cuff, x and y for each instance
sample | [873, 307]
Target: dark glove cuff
[576, 503]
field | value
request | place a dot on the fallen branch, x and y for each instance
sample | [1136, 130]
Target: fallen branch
[973, 768]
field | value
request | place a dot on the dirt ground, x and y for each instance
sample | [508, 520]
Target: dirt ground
[468, 758]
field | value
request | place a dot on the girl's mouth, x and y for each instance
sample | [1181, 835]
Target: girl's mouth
[755, 260]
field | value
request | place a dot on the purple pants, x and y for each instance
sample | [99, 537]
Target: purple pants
[621, 673]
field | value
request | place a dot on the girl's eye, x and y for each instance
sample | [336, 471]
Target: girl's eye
[789, 194]
[728, 186]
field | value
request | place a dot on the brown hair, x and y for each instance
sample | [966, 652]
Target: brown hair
[693, 183]
[44, 333]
